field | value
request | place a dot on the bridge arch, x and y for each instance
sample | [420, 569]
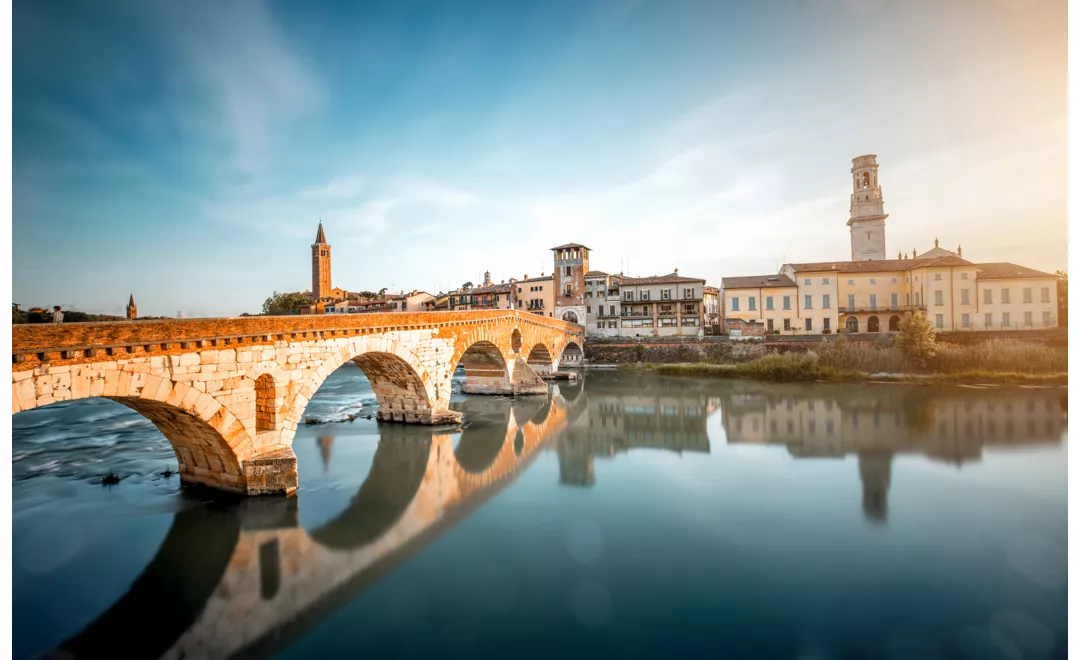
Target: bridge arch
[571, 354]
[209, 441]
[405, 390]
[540, 358]
[485, 368]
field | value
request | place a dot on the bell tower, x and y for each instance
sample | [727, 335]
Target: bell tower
[320, 266]
[867, 221]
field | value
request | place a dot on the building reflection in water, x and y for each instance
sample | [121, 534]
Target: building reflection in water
[618, 416]
[876, 422]
[325, 443]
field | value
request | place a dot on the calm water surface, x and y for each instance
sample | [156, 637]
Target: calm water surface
[625, 515]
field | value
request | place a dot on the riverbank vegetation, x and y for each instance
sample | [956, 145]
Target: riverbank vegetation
[1002, 360]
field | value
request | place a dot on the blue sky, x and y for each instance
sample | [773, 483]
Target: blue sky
[185, 152]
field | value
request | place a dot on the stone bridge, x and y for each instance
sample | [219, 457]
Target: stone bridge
[261, 580]
[230, 393]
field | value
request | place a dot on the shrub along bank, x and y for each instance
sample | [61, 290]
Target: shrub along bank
[1000, 360]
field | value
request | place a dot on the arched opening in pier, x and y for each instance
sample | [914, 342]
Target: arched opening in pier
[266, 403]
[873, 325]
[851, 324]
[894, 323]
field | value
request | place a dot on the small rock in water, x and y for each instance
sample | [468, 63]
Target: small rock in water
[110, 479]
[311, 421]
[167, 473]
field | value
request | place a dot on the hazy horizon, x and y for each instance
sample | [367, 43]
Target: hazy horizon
[186, 153]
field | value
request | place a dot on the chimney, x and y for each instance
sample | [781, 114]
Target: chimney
[676, 271]
[959, 251]
[526, 276]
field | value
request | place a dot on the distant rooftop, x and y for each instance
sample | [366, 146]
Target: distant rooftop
[569, 246]
[757, 282]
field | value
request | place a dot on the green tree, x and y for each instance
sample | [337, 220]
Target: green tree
[18, 315]
[283, 304]
[916, 339]
[1063, 298]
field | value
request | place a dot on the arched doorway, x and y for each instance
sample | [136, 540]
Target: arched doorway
[873, 325]
[570, 316]
[851, 325]
[894, 323]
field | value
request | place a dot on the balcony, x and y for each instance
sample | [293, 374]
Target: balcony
[880, 308]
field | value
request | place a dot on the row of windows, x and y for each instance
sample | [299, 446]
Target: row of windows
[988, 320]
[665, 294]
[1026, 295]
[689, 322]
[808, 325]
[808, 302]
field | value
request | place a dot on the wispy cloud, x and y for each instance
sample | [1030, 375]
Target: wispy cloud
[339, 187]
[248, 79]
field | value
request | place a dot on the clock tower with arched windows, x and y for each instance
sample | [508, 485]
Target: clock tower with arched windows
[868, 215]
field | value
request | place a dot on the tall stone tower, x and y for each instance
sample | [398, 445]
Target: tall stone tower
[868, 215]
[132, 310]
[571, 264]
[320, 266]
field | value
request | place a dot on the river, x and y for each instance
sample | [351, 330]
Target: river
[622, 515]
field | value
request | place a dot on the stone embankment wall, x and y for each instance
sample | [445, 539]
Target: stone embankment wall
[722, 349]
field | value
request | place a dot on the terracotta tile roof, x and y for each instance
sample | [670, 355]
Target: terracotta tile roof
[1003, 270]
[596, 273]
[569, 246]
[673, 278]
[878, 265]
[757, 282]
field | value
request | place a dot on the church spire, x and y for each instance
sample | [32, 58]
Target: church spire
[320, 237]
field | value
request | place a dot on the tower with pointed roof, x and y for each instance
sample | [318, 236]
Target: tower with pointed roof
[320, 266]
[132, 310]
[867, 221]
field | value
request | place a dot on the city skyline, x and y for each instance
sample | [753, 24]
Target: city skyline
[172, 151]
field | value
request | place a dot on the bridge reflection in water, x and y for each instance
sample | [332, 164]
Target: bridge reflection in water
[875, 423]
[245, 579]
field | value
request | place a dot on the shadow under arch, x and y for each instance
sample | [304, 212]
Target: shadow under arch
[397, 471]
[483, 359]
[196, 444]
[168, 596]
[483, 438]
[394, 381]
[540, 356]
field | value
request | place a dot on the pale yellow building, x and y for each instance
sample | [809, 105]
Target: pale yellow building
[760, 304]
[872, 294]
[536, 294]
